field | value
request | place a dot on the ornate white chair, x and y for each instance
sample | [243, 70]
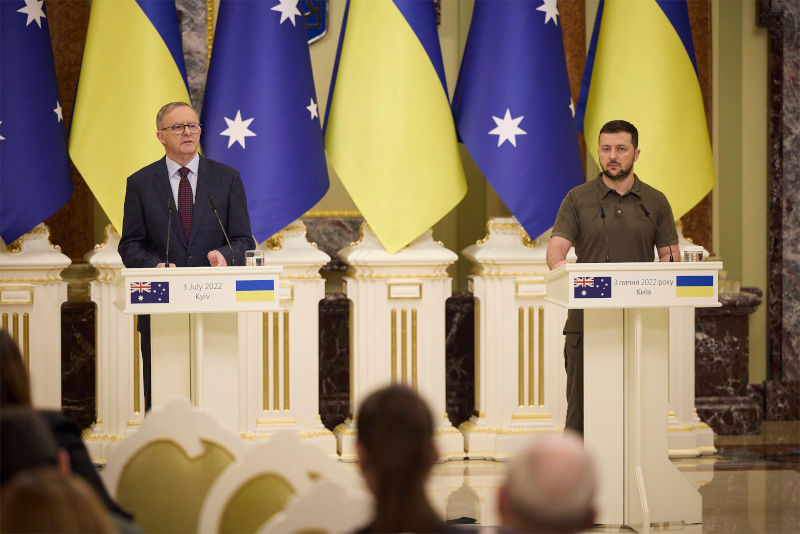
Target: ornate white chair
[282, 475]
[163, 471]
[328, 508]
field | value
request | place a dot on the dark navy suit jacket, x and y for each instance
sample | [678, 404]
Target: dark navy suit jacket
[144, 225]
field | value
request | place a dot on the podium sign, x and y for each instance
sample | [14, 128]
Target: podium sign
[634, 285]
[626, 369]
[199, 290]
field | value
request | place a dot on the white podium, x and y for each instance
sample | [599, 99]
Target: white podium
[201, 320]
[626, 369]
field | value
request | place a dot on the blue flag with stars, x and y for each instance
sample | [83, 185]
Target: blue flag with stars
[260, 113]
[513, 109]
[34, 170]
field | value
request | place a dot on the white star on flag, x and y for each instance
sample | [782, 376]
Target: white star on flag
[550, 11]
[287, 9]
[312, 108]
[507, 128]
[572, 107]
[57, 111]
[237, 129]
[1, 137]
[33, 8]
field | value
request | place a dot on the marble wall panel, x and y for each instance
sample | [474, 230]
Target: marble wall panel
[78, 361]
[723, 395]
[782, 19]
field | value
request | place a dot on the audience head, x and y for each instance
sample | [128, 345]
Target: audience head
[14, 386]
[549, 488]
[396, 452]
[46, 500]
[26, 441]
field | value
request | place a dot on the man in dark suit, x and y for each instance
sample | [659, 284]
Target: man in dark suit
[193, 184]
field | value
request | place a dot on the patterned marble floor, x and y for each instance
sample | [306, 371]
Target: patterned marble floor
[752, 485]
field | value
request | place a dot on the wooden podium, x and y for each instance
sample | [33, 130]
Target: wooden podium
[626, 370]
[200, 329]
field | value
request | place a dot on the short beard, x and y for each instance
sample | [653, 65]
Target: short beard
[623, 173]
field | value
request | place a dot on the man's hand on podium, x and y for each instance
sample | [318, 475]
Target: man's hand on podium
[160, 265]
[216, 259]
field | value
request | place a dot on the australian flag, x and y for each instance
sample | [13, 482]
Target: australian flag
[35, 177]
[261, 114]
[592, 287]
[149, 292]
[513, 108]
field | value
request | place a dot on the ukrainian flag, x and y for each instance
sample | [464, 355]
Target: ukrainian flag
[641, 68]
[694, 286]
[389, 131]
[255, 290]
[132, 65]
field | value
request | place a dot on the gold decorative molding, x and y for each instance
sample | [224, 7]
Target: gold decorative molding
[276, 241]
[15, 247]
[106, 232]
[273, 421]
[209, 29]
[362, 228]
[492, 225]
[526, 239]
[319, 214]
[493, 273]
[530, 416]
[375, 276]
[472, 429]
[689, 428]
[90, 436]
[344, 430]
[42, 229]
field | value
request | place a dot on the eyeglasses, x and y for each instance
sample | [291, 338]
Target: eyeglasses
[178, 129]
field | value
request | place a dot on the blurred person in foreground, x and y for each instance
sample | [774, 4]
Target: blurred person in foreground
[34, 438]
[396, 453]
[550, 487]
[44, 499]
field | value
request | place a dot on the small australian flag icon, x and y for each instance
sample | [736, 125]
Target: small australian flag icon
[149, 292]
[592, 287]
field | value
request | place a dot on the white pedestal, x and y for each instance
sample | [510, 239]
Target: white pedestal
[519, 367]
[397, 329]
[31, 295]
[301, 290]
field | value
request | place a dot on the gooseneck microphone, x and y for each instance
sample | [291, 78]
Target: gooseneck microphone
[605, 233]
[658, 232]
[214, 209]
[170, 209]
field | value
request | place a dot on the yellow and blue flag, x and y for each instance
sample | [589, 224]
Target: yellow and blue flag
[694, 286]
[641, 68]
[35, 178]
[389, 131]
[515, 116]
[255, 290]
[260, 112]
[132, 65]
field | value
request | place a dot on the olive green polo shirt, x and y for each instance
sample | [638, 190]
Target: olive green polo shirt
[631, 237]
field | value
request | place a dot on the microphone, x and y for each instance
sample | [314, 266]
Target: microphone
[214, 209]
[658, 232]
[170, 209]
[605, 233]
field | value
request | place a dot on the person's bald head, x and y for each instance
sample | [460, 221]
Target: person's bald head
[550, 487]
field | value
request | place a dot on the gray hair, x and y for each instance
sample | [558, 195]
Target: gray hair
[169, 107]
[551, 485]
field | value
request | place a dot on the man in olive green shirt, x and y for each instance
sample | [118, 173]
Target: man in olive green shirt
[614, 218]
